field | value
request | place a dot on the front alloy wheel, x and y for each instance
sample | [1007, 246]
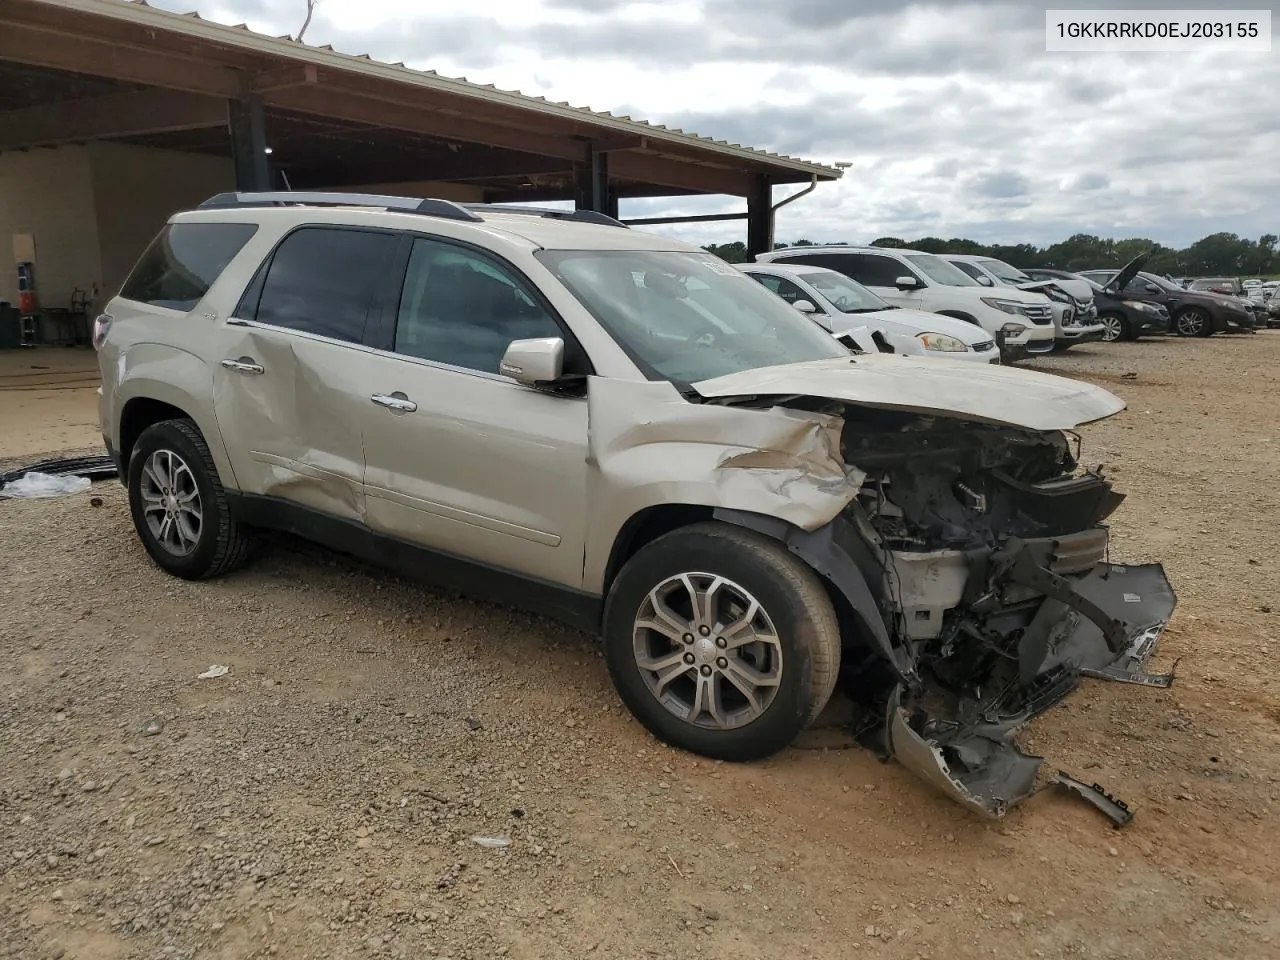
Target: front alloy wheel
[1192, 323]
[1112, 327]
[721, 641]
[707, 650]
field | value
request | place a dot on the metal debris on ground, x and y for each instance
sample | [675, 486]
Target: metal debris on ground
[215, 670]
[1117, 811]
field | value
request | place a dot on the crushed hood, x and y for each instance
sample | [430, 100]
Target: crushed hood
[985, 393]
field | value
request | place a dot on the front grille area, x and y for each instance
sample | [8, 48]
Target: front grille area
[984, 346]
[1039, 314]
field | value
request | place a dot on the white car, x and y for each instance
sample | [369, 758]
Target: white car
[1020, 322]
[845, 307]
[1075, 318]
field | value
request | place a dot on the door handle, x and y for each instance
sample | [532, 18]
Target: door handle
[243, 366]
[395, 401]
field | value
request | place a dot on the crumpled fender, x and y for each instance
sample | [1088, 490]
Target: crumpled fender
[649, 446]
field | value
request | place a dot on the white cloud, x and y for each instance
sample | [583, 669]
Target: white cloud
[954, 118]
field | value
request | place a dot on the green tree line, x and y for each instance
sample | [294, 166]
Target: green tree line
[1219, 254]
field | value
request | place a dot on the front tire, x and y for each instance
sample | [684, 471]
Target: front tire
[1115, 326]
[721, 642]
[179, 506]
[1192, 322]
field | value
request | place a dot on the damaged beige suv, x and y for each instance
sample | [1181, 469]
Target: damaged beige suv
[624, 432]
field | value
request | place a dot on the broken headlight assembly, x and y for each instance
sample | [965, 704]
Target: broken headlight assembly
[941, 342]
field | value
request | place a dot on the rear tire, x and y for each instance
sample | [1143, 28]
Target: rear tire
[179, 506]
[721, 642]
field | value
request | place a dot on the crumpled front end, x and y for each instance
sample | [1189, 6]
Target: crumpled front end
[997, 591]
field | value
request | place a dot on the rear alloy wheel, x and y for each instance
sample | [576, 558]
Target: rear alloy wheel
[721, 642]
[1192, 322]
[171, 503]
[179, 506]
[1114, 327]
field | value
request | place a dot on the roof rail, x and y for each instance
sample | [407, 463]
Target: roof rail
[578, 216]
[430, 207]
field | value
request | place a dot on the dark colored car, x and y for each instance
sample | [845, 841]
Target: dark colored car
[1230, 286]
[1194, 314]
[1123, 318]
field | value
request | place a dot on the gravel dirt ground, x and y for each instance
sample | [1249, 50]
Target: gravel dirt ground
[320, 799]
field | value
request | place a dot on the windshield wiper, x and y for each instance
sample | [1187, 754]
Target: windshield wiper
[872, 309]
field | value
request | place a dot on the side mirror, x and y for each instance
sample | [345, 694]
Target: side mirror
[906, 283]
[534, 362]
[804, 306]
[1152, 288]
[985, 281]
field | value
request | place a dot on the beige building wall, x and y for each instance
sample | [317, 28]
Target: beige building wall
[136, 189]
[93, 209]
[48, 193]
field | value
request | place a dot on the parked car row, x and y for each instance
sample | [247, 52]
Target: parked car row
[969, 307]
[1194, 313]
[1020, 322]
[1122, 316]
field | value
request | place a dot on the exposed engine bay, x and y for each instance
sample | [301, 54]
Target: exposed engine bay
[996, 579]
[985, 550]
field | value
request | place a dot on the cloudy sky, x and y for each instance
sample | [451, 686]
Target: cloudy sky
[955, 120]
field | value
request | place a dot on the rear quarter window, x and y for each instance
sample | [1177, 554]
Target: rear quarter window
[183, 261]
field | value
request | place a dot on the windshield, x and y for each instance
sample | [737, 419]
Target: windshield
[688, 316]
[846, 295]
[1004, 271]
[939, 271]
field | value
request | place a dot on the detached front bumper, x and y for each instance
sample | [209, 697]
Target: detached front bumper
[1104, 623]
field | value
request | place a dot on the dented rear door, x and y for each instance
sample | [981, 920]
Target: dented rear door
[294, 378]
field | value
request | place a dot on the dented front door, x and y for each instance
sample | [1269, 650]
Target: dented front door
[458, 457]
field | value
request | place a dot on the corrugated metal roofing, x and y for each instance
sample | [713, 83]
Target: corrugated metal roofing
[142, 12]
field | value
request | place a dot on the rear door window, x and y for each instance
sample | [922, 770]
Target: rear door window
[969, 268]
[872, 269]
[324, 281]
[183, 261]
[787, 290]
